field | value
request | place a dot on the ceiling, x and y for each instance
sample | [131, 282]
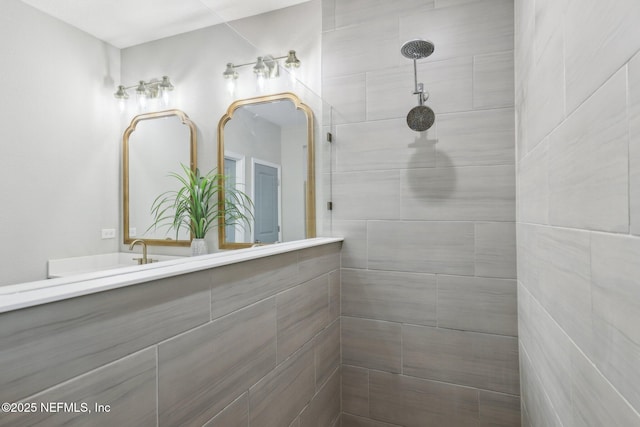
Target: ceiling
[125, 23]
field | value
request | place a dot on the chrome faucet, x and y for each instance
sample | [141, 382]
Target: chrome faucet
[144, 259]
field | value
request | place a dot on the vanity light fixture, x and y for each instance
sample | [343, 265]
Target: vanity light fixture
[265, 67]
[153, 89]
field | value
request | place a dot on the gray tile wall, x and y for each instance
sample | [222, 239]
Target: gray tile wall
[577, 109]
[256, 342]
[429, 321]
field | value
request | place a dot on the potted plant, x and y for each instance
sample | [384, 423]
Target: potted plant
[195, 206]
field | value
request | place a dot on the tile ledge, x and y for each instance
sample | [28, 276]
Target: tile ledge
[23, 295]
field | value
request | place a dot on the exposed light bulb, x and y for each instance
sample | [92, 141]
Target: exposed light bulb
[231, 86]
[166, 98]
[260, 82]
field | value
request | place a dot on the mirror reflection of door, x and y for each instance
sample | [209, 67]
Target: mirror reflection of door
[266, 179]
[234, 174]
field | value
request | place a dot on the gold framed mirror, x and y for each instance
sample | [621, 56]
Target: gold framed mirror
[266, 149]
[154, 145]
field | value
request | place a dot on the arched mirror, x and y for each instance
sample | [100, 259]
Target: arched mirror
[266, 149]
[154, 145]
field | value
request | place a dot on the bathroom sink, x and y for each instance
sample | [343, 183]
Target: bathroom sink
[64, 267]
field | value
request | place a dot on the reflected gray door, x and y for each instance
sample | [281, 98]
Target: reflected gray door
[230, 174]
[266, 203]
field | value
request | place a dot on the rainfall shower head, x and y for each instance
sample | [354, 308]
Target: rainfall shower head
[420, 118]
[417, 49]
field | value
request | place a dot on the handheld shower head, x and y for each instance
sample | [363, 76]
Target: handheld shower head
[420, 118]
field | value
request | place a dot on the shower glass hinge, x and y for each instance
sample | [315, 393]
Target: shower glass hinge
[329, 137]
[329, 206]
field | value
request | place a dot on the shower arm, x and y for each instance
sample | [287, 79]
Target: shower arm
[419, 87]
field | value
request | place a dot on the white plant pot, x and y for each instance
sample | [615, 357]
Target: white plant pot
[199, 247]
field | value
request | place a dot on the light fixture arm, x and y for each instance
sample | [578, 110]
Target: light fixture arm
[234, 66]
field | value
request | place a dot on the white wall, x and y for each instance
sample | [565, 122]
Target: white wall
[60, 129]
[196, 60]
[578, 139]
[59, 148]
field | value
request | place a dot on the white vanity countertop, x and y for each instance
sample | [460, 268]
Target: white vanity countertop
[14, 297]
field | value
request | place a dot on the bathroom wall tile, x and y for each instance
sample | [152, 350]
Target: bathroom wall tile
[549, 354]
[327, 352]
[526, 420]
[477, 304]
[430, 247]
[384, 144]
[46, 345]
[478, 360]
[496, 249]
[303, 311]
[548, 20]
[393, 296]
[414, 402]
[324, 408]
[237, 285]
[545, 93]
[360, 48]
[234, 415]
[371, 344]
[366, 195]
[354, 247]
[523, 65]
[131, 379]
[483, 193]
[521, 126]
[597, 33]
[498, 410]
[314, 262]
[616, 310]
[476, 138]
[194, 385]
[533, 185]
[351, 12]
[493, 80]
[449, 83]
[334, 295]
[555, 266]
[588, 163]
[539, 409]
[355, 390]
[449, 3]
[328, 14]
[595, 401]
[471, 29]
[523, 53]
[279, 397]
[347, 95]
[634, 143]
[353, 421]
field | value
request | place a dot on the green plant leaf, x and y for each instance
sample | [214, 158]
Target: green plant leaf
[195, 205]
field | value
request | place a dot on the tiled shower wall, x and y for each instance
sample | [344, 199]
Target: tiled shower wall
[578, 151]
[429, 324]
[255, 343]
